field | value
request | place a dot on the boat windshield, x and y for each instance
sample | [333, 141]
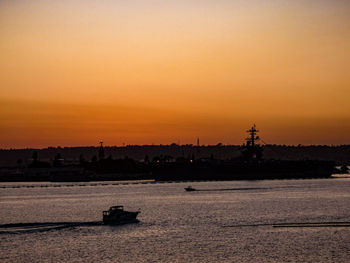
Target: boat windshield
[118, 207]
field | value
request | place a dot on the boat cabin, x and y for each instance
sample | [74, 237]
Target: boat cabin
[113, 209]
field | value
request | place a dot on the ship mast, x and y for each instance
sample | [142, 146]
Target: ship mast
[252, 151]
[252, 136]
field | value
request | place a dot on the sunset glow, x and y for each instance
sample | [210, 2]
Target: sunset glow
[143, 72]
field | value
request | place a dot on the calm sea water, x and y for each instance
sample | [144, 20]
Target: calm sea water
[179, 226]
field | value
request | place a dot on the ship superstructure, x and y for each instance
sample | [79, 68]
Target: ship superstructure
[252, 151]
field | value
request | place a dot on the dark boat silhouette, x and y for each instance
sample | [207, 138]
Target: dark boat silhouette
[249, 166]
[116, 215]
[190, 189]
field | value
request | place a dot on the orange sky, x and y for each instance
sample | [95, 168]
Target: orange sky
[143, 72]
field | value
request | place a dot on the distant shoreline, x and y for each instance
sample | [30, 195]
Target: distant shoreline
[46, 184]
[339, 153]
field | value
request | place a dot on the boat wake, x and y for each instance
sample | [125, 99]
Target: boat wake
[191, 189]
[18, 228]
[227, 189]
[297, 224]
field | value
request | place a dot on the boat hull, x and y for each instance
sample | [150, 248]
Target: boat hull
[123, 218]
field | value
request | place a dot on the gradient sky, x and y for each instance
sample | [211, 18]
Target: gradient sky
[143, 72]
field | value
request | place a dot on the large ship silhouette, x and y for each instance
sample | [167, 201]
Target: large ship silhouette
[249, 166]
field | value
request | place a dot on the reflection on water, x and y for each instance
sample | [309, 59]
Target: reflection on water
[268, 221]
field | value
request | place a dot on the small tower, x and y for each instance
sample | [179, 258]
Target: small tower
[101, 151]
[198, 151]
